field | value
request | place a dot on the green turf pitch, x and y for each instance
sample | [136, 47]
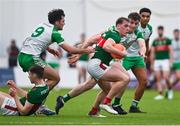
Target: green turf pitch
[75, 111]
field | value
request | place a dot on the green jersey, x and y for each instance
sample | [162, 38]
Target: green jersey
[36, 96]
[147, 31]
[161, 47]
[130, 41]
[43, 35]
[100, 53]
[84, 57]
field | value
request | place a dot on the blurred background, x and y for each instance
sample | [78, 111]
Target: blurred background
[83, 19]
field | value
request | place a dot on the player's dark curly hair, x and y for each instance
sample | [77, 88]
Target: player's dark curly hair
[134, 16]
[55, 15]
[38, 70]
[120, 20]
[145, 10]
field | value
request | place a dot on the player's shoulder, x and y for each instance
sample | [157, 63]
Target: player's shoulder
[149, 27]
[137, 31]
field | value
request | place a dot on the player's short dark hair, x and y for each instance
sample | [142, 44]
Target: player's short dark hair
[176, 30]
[145, 10]
[38, 70]
[160, 27]
[121, 20]
[134, 16]
[55, 15]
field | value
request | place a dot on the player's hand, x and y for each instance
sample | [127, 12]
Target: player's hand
[11, 84]
[142, 53]
[12, 92]
[90, 50]
[55, 53]
[74, 58]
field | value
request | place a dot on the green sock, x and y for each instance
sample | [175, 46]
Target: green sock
[134, 103]
[116, 101]
[66, 97]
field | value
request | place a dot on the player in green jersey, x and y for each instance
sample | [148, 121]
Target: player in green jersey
[135, 45]
[99, 67]
[161, 54]
[44, 35]
[11, 104]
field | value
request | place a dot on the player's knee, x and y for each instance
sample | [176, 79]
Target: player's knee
[126, 79]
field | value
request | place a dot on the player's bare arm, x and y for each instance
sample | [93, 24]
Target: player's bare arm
[23, 110]
[108, 46]
[142, 46]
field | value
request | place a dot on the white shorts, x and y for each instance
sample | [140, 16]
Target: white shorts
[96, 68]
[82, 64]
[9, 107]
[163, 65]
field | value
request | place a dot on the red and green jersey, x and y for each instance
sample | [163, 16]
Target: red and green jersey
[36, 96]
[100, 53]
[161, 47]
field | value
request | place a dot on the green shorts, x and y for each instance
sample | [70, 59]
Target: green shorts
[26, 61]
[133, 62]
[176, 66]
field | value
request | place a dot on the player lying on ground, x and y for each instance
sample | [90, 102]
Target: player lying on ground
[99, 66]
[11, 104]
[44, 35]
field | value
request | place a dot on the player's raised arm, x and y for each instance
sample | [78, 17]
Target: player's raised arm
[12, 84]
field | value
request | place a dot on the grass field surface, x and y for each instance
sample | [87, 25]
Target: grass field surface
[164, 112]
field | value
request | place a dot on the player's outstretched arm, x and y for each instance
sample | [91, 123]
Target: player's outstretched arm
[74, 50]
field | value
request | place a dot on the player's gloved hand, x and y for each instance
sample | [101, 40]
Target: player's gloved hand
[12, 92]
[74, 58]
[11, 84]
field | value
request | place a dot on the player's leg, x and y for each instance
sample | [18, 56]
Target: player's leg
[157, 72]
[7, 104]
[141, 76]
[177, 74]
[105, 86]
[52, 76]
[117, 106]
[169, 92]
[79, 89]
[165, 65]
[159, 86]
[119, 80]
[3, 96]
